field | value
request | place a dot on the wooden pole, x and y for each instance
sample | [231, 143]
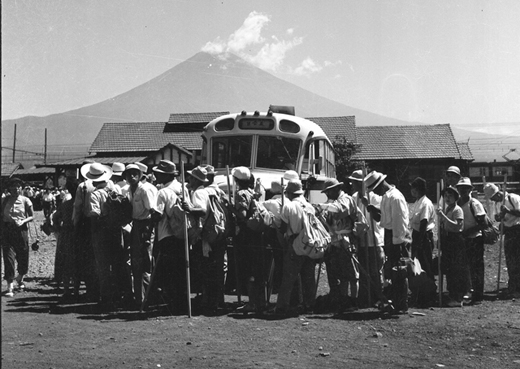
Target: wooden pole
[365, 236]
[439, 253]
[186, 243]
[501, 239]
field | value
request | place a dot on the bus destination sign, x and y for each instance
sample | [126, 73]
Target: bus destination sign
[256, 123]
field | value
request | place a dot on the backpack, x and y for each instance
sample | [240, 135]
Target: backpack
[119, 209]
[177, 225]
[314, 239]
[260, 219]
[214, 228]
[491, 233]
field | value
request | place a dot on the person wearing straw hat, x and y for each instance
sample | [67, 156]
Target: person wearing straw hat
[474, 222]
[143, 198]
[341, 215]
[249, 252]
[170, 246]
[394, 218]
[104, 238]
[507, 210]
[84, 254]
[119, 182]
[295, 265]
[422, 223]
[375, 239]
[454, 261]
[17, 212]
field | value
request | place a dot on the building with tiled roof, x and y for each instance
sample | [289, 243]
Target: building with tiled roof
[334, 127]
[8, 169]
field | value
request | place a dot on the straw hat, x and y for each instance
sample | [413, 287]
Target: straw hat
[330, 184]
[357, 175]
[118, 169]
[294, 187]
[96, 172]
[453, 190]
[166, 167]
[374, 179]
[199, 173]
[210, 169]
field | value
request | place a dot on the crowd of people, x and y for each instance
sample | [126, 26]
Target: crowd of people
[379, 247]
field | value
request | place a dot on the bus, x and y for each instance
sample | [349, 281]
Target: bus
[270, 143]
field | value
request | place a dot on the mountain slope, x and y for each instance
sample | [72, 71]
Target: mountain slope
[202, 83]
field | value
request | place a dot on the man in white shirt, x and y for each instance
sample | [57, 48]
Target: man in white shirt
[393, 217]
[373, 247]
[422, 222]
[508, 211]
[143, 199]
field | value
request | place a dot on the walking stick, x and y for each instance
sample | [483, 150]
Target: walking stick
[231, 195]
[439, 246]
[365, 236]
[186, 243]
[501, 239]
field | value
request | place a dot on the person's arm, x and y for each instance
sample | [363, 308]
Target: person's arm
[399, 220]
[28, 212]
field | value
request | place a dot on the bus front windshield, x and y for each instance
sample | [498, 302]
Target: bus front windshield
[275, 152]
[233, 151]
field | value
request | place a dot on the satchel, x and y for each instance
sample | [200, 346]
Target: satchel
[314, 239]
[491, 232]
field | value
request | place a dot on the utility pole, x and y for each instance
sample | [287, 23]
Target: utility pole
[14, 144]
[45, 152]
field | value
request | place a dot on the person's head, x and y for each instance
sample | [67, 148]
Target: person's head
[144, 170]
[72, 187]
[356, 180]
[242, 176]
[294, 189]
[132, 174]
[375, 182]
[464, 187]
[14, 186]
[332, 188]
[418, 187]
[452, 176]
[210, 170]
[165, 172]
[492, 192]
[290, 175]
[451, 195]
[276, 187]
[117, 171]
[197, 177]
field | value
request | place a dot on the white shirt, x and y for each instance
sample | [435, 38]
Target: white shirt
[513, 203]
[394, 215]
[422, 209]
[376, 234]
[469, 219]
[274, 205]
[143, 200]
[292, 214]
[166, 199]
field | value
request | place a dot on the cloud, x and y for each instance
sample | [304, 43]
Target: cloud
[266, 53]
[307, 67]
[248, 43]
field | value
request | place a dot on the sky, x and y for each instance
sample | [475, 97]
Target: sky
[432, 62]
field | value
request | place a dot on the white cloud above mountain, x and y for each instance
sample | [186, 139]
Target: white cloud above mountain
[268, 53]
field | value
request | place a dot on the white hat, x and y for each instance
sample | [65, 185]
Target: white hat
[142, 167]
[490, 190]
[118, 169]
[241, 173]
[453, 169]
[291, 175]
[96, 172]
[374, 179]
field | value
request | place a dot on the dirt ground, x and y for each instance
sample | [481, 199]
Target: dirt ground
[39, 332]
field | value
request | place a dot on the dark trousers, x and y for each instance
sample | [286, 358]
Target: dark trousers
[398, 290]
[141, 256]
[15, 247]
[85, 269]
[171, 270]
[474, 248]
[455, 265]
[512, 254]
[376, 259]
[251, 265]
[294, 266]
[422, 248]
